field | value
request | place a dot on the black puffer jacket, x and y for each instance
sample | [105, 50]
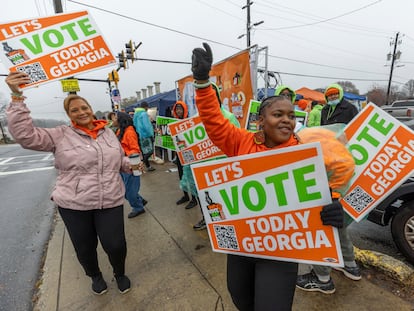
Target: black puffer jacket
[343, 113]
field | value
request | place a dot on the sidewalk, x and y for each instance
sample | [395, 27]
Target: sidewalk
[172, 267]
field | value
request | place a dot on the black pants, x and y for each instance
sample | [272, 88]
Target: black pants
[145, 159]
[84, 228]
[261, 284]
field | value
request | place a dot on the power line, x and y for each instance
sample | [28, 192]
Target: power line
[279, 7]
[327, 77]
[220, 10]
[322, 65]
[216, 42]
[327, 19]
[155, 25]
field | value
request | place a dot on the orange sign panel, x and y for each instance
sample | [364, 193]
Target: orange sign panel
[192, 142]
[271, 210]
[55, 47]
[383, 150]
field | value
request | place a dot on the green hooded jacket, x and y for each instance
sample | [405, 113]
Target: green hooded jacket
[282, 87]
[335, 86]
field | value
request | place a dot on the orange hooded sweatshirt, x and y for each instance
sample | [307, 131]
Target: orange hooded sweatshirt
[129, 141]
[185, 108]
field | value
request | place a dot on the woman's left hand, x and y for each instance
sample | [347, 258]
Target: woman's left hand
[14, 79]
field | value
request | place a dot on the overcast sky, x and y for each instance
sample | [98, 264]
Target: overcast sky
[311, 43]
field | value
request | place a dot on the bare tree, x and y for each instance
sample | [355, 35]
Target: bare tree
[408, 88]
[348, 87]
[377, 95]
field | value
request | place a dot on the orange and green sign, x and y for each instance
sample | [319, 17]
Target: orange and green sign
[383, 150]
[54, 47]
[192, 142]
[267, 210]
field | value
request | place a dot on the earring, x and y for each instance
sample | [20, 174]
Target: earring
[259, 137]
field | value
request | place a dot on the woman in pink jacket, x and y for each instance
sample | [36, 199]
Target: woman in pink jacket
[89, 191]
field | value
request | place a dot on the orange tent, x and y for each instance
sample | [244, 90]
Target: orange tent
[309, 94]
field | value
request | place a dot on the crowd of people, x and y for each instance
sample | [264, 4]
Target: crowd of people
[95, 176]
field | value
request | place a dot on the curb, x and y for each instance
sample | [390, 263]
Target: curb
[392, 267]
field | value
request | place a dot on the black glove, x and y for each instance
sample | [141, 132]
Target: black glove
[201, 62]
[333, 214]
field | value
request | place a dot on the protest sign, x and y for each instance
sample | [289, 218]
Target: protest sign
[163, 136]
[252, 123]
[269, 210]
[383, 150]
[192, 142]
[54, 47]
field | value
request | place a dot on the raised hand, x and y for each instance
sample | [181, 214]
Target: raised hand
[14, 79]
[201, 62]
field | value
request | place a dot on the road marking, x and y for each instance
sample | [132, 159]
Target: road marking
[7, 160]
[27, 171]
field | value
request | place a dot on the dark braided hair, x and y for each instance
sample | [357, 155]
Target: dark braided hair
[124, 121]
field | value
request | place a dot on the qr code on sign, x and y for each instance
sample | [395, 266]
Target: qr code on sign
[188, 156]
[226, 237]
[35, 71]
[358, 199]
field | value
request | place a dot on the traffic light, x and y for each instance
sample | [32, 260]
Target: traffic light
[122, 60]
[130, 50]
[113, 76]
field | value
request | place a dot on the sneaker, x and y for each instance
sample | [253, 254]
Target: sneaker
[310, 282]
[99, 286]
[124, 284]
[136, 213]
[352, 273]
[150, 169]
[144, 202]
[191, 204]
[201, 225]
[183, 200]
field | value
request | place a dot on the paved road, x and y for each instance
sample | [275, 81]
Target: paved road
[375, 237]
[26, 215]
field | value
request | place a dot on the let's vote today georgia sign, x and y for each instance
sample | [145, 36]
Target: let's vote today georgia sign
[383, 150]
[267, 210]
[54, 47]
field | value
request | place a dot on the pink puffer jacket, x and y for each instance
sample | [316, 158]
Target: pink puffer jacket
[88, 169]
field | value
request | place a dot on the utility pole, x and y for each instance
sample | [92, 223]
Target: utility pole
[248, 4]
[248, 25]
[393, 57]
[57, 4]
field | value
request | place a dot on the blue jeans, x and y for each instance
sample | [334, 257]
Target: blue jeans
[132, 185]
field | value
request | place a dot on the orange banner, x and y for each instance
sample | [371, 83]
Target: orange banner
[383, 150]
[269, 210]
[233, 77]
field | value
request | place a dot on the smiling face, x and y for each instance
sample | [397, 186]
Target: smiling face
[80, 113]
[277, 120]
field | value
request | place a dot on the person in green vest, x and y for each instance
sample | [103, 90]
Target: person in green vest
[314, 118]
